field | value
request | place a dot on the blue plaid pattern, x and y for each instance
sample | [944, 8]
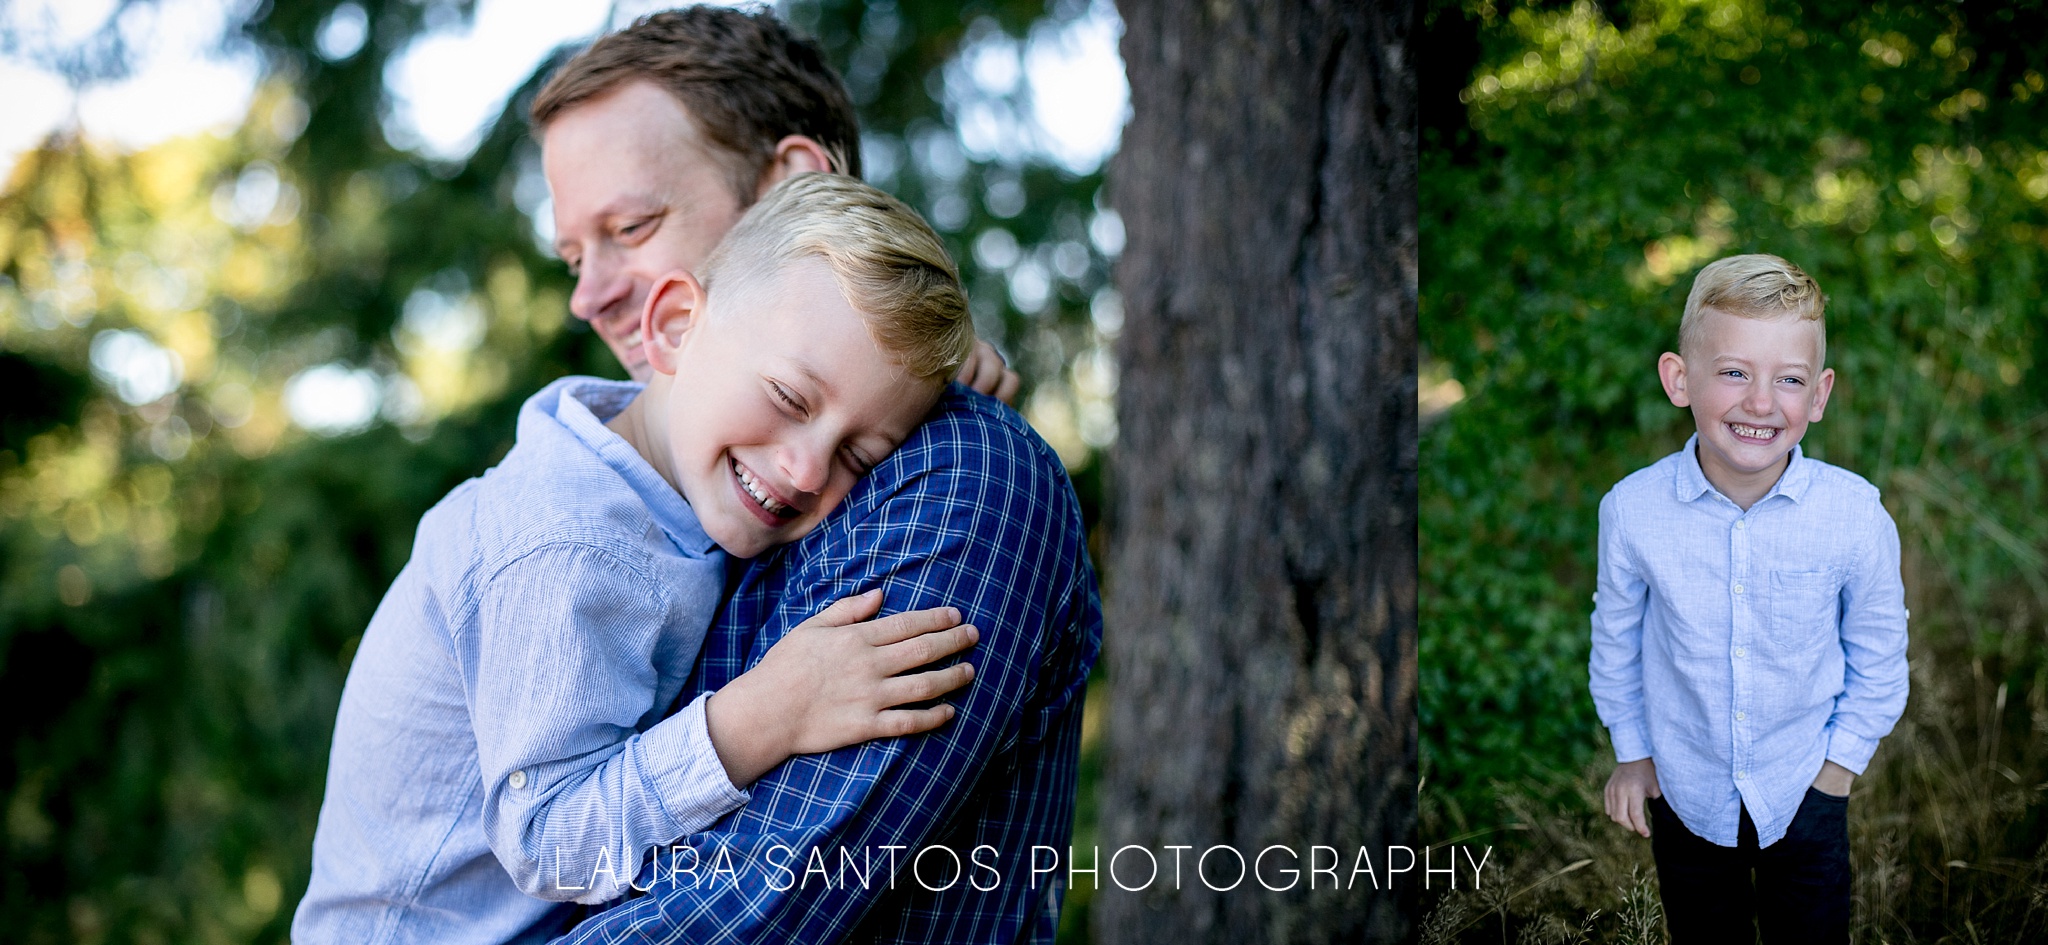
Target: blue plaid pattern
[973, 512]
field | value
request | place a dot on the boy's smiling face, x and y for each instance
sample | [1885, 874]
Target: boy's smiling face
[771, 402]
[1753, 385]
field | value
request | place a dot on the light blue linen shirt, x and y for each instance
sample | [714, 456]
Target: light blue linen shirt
[501, 735]
[1742, 649]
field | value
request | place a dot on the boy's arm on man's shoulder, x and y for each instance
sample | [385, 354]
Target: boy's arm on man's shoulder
[827, 835]
[1620, 600]
[1874, 678]
[561, 675]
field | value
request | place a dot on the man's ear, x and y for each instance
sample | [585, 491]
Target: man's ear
[1671, 370]
[1825, 385]
[675, 304]
[794, 155]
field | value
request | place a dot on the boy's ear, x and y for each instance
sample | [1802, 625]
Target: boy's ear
[795, 154]
[1822, 387]
[1671, 370]
[675, 304]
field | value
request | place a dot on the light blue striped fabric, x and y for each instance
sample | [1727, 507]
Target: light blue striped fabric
[975, 512]
[1739, 649]
[501, 733]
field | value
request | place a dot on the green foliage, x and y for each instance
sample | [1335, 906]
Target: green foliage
[1609, 151]
[184, 580]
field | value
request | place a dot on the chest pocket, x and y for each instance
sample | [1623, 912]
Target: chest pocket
[1804, 606]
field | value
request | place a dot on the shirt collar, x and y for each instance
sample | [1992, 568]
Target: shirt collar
[1691, 481]
[583, 409]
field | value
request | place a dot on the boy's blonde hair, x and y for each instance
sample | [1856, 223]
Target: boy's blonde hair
[888, 262]
[1754, 286]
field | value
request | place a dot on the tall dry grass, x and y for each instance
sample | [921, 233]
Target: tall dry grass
[1948, 828]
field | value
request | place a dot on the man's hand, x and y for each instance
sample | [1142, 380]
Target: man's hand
[831, 682]
[1628, 789]
[1833, 780]
[986, 372]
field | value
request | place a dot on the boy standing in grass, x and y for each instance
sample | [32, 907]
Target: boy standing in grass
[1749, 630]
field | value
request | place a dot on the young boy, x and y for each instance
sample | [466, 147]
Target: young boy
[1749, 633]
[502, 733]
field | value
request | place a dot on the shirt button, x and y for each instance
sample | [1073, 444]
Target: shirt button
[517, 780]
[1739, 716]
[1739, 775]
[1742, 523]
[1738, 588]
[1738, 652]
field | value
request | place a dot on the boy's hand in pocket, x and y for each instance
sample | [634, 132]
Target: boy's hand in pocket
[1833, 780]
[834, 681]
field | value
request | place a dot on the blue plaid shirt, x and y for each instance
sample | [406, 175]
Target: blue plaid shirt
[975, 512]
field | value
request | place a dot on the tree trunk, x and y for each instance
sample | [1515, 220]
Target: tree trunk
[1261, 599]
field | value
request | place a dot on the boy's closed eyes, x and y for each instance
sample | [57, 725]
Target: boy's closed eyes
[777, 401]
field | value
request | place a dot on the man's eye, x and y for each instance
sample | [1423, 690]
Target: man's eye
[635, 228]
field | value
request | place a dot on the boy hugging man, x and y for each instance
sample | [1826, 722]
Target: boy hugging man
[1749, 630]
[504, 744]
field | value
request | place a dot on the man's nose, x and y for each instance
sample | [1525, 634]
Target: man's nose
[599, 291]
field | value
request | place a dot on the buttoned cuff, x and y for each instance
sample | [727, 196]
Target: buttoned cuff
[1850, 751]
[691, 785]
[1631, 741]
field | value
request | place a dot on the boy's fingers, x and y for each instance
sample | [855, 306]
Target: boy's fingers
[917, 651]
[908, 625]
[1640, 813]
[974, 372]
[922, 686]
[1006, 390]
[986, 371]
[848, 610]
[897, 722]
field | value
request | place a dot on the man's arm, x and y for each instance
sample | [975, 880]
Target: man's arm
[977, 524]
[1873, 650]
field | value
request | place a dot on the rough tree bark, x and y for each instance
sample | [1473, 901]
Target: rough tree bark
[1262, 634]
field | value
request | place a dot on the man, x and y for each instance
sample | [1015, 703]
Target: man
[643, 185]
[654, 140]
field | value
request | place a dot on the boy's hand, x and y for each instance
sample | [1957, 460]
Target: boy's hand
[987, 372]
[831, 682]
[1628, 789]
[1834, 780]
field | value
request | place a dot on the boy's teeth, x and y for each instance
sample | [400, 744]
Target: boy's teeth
[1755, 433]
[747, 480]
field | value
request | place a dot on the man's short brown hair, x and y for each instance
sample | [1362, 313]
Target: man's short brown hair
[745, 78]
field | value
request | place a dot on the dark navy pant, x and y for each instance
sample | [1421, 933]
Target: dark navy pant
[1795, 891]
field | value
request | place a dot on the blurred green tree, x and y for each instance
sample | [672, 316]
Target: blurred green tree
[195, 527]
